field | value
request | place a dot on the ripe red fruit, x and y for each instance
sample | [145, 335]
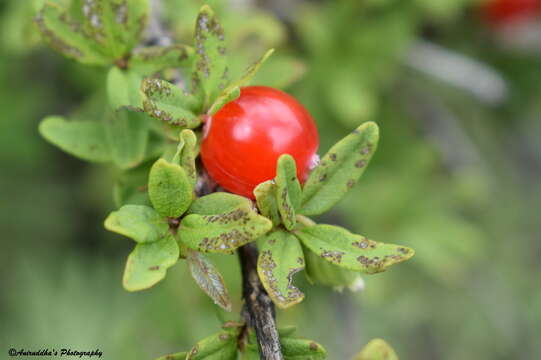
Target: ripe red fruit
[245, 138]
[503, 12]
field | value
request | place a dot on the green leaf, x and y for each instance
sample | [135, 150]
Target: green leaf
[226, 96]
[131, 186]
[149, 60]
[208, 278]
[169, 189]
[127, 133]
[221, 222]
[279, 259]
[350, 251]
[83, 139]
[220, 346]
[167, 102]
[175, 356]
[287, 330]
[232, 91]
[115, 25]
[280, 72]
[288, 190]
[252, 70]
[339, 170]
[325, 273]
[186, 154]
[301, 349]
[123, 89]
[138, 222]
[67, 37]
[217, 203]
[210, 64]
[377, 349]
[265, 194]
[148, 263]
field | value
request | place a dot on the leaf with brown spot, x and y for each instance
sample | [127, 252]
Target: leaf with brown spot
[67, 37]
[354, 252]
[116, 25]
[339, 170]
[326, 273]
[222, 222]
[280, 258]
[377, 349]
[219, 346]
[288, 190]
[149, 60]
[170, 104]
[208, 278]
[148, 262]
[210, 63]
[302, 349]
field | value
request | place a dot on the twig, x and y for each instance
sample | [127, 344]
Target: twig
[259, 309]
[260, 312]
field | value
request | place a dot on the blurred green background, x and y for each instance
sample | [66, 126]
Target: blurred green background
[457, 176]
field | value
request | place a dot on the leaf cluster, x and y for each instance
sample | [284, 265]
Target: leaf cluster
[151, 129]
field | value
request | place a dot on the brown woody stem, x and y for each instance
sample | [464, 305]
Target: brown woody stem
[260, 313]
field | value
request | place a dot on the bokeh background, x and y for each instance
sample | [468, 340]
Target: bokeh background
[457, 176]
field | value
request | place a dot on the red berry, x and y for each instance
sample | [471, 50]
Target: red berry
[502, 12]
[245, 138]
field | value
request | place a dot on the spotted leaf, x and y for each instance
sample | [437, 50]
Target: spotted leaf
[208, 278]
[325, 273]
[86, 140]
[265, 194]
[68, 37]
[210, 65]
[115, 25]
[167, 102]
[355, 252]
[169, 189]
[138, 222]
[220, 346]
[221, 222]
[148, 262]
[302, 349]
[279, 259]
[339, 170]
[288, 190]
[377, 349]
[149, 60]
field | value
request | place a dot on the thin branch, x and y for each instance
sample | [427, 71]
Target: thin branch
[260, 312]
